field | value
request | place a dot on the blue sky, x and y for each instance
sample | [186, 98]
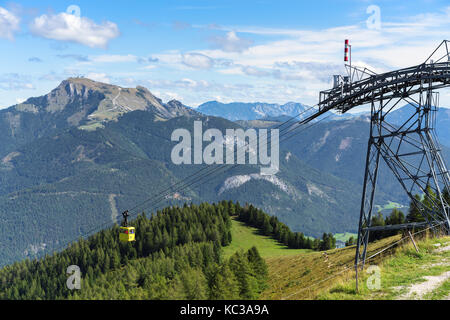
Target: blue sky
[225, 50]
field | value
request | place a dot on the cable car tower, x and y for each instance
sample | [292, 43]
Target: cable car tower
[410, 149]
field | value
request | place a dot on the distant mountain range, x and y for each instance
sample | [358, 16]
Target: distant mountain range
[252, 111]
[338, 145]
[266, 114]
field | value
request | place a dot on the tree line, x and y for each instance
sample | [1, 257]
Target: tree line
[271, 226]
[398, 217]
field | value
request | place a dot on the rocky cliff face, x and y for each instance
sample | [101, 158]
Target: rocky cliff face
[81, 103]
[87, 102]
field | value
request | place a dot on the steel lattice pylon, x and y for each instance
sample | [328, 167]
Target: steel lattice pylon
[410, 151]
[409, 148]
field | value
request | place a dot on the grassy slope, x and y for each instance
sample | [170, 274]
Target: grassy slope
[292, 271]
[306, 274]
[405, 268]
[246, 237]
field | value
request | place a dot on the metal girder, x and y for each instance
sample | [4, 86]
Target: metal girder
[365, 86]
[398, 226]
[409, 149]
[396, 84]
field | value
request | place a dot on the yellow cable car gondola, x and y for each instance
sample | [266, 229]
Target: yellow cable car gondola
[126, 233]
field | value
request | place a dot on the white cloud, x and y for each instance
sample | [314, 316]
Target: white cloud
[34, 59]
[197, 61]
[185, 83]
[285, 64]
[101, 77]
[308, 58]
[69, 27]
[167, 96]
[231, 42]
[9, 24]
[114, 58]
[106, 58]
[398, 44]
[252, 71]
[77, 57]
[14, 81]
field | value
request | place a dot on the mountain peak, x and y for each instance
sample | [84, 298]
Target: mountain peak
[91, 103]
[83, 80]
[84, 84]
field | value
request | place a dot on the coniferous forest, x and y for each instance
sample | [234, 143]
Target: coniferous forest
[177, 255]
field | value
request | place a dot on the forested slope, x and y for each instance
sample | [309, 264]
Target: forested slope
[177, 255]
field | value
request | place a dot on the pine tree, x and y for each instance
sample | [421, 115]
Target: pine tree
[377, 220]
[248, 285]
[225, 285]
[350, 242]
[259, 267]
[414, 214]
[194, 284]
[267, 227]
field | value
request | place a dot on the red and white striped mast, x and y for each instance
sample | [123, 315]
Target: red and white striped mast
[348, 56]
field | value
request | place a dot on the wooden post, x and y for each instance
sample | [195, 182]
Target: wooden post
[356, 272]
[412, 239]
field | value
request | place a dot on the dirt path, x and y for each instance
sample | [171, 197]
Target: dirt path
[115, 98]
[419, 290]
[447, 248]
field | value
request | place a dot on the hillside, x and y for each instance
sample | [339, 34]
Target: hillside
[441, 122]
[206, 252]
[78, 180]
[178, 254]
[339, 148]
[61, 179]
[77, 102]
[331, 276]
[406, 275]
[245, 237]
[338, 145]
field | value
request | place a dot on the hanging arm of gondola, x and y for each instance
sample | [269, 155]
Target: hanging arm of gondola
[125, 215]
